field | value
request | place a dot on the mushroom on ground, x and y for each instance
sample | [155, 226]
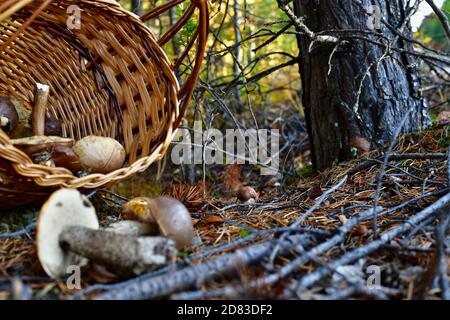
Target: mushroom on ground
[100, 154]
[139, 209]
[9, 118]
[133, 228]
[64, 208]
[247, 193]
[68, 225]
[170, 215]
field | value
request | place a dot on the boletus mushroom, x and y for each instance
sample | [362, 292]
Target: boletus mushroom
[41, 123]
[170, 216]
[68, 229]
[63, 209]
[100, 154]
[9, 118]
[39, 109]
[52, 151]
[246, 193]
[133, 228]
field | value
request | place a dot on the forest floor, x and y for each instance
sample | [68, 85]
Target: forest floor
[315, 239]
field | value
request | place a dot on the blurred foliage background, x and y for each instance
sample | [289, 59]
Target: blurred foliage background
[238, 29]
[431, 32]
[247, 71]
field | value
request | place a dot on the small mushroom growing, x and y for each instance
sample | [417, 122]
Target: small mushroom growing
[9, 118]
[247, 193]
[100, 154]
[68, 229]
[170, 216]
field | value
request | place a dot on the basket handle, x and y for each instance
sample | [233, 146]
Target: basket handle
[200, 36]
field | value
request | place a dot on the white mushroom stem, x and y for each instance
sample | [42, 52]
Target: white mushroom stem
[39, 109]
[4, 121]
[124, 254]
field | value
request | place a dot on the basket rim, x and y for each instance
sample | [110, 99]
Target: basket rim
[61, 177]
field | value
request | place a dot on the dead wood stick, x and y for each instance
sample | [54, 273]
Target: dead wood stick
[209, 251]
[396, 157]
[291, 267]
[441, 259]
[363, 251]
[197, 274]
[124, 254]
[18, 234]
[230, 293]
[302, 218]
[448, 167]
[379, 178]
[39, 109]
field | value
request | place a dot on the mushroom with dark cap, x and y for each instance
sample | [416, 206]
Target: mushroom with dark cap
[68, 225]
[57, 149]
[246, 193]
[9, 118]
[170, 215]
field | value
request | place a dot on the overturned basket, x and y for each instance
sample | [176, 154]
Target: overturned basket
[110, 77]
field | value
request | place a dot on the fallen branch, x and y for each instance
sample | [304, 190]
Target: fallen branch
[396, 157]
[442, 264]
[373, 246]
[271, 279]
[198, 274]
[20, 233]
[305, 215]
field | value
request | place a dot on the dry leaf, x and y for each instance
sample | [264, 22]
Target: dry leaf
[213, 220]
[360, 143]
[443, 118]
[315, 192]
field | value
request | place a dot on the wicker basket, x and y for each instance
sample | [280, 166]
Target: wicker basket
[110, 77]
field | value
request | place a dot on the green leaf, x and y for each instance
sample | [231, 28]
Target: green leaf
[245, 233]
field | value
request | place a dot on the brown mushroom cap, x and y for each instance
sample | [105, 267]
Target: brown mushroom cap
[173, 219]
[64, 156]
[37, 144]
[53, 127]
[9, 118]
[65, 207]
[247, 193]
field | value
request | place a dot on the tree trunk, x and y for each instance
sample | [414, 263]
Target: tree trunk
[136, 7]
[331, 78]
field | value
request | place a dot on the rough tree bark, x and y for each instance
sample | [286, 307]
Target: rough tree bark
[136, 7]
[390, 87]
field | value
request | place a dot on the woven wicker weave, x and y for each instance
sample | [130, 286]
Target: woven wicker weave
[109, 78]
